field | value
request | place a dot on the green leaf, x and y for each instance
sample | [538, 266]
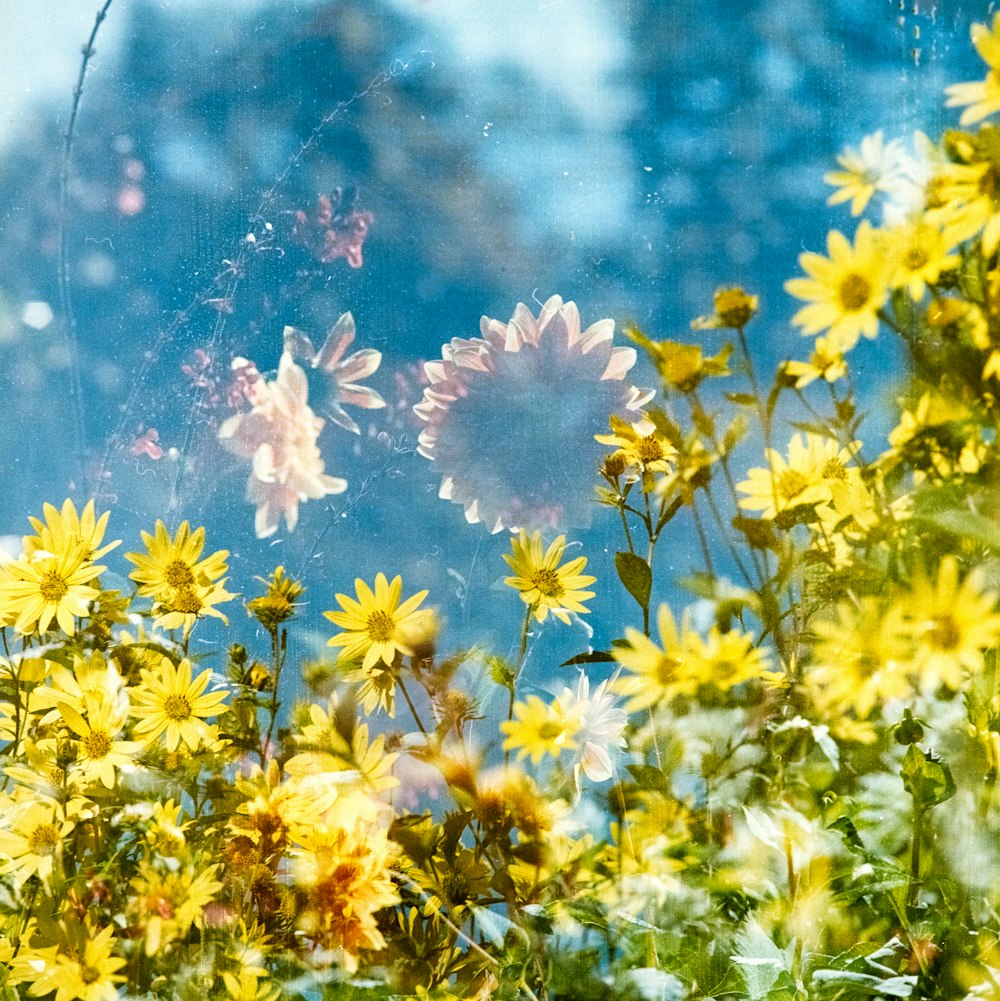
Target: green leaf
[591, 657]
[634, 573]
[967, 525]
[744, 399]
[926, 778]
[759, 960]
[649, 777]
[501, 671]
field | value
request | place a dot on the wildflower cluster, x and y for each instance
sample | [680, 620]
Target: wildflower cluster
[737, 796]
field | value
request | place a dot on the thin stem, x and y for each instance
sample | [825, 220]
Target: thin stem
[918, 832]
[65, 295]
[517, 670]
[277, 660]
[413, 708]
[705, 552]
[628, 534]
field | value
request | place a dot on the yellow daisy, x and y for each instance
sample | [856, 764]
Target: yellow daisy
[641, 447]
[724, 660]
[544, 585]
[825, 362]
[33, 592]
[91, 975]
[982, 98]
[654, 673]
[540, 728]
[98, 751]
[967, 195]
[169, 702]
[173, 565]
[816, 468]
[919, 253]
[951, 623]
[164, 905]
[375, 625]
[844, 291]
[182, 607]
[33, 841]
[62, 530]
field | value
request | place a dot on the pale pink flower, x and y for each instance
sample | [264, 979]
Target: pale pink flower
[345, 373]
[511, 416]
[279, 437]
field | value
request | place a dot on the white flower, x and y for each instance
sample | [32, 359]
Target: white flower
[511, 416]
[279, 438]
[601, 726]
[345, 373]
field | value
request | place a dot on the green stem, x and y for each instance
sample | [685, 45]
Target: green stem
[413, 708]
[278, 648]
[918, 831]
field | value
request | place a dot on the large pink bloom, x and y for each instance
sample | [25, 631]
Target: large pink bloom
[279, 437]
[511, 416]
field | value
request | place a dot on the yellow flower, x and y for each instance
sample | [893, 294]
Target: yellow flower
[540, 728]
[873, 167]
[968, 194]
[815, 470]
[183, 607]
[983, 98]
[951, 624]
[172, 565]
[345, 873]
[62, 530]
[544, 585]
[641, 446]
[654, 673]
[825, 362]
[33, 841]
[91, 975]
[860, 658]
[34, 591]
[734, 309]
[98, 752]
[169, 702]
[375, 625]
[278, 603]
[724, 660]
[844, 291]
[919, 253]
[165, 905]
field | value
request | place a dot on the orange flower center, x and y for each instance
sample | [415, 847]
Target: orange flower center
[186, 601]
[944, 634]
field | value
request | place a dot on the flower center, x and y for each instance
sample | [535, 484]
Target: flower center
[53, 587]
[944, 633]
[649, 449]
[790, 484]
[915, 258]
[666, 670]
[90, 974]
[381, 626]
[834, 470]
[96, 744]
[177, 708]
[186, 601]
[178, 574]
[43, 839]
[547, 583]
[855, 291]
[989, 183]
